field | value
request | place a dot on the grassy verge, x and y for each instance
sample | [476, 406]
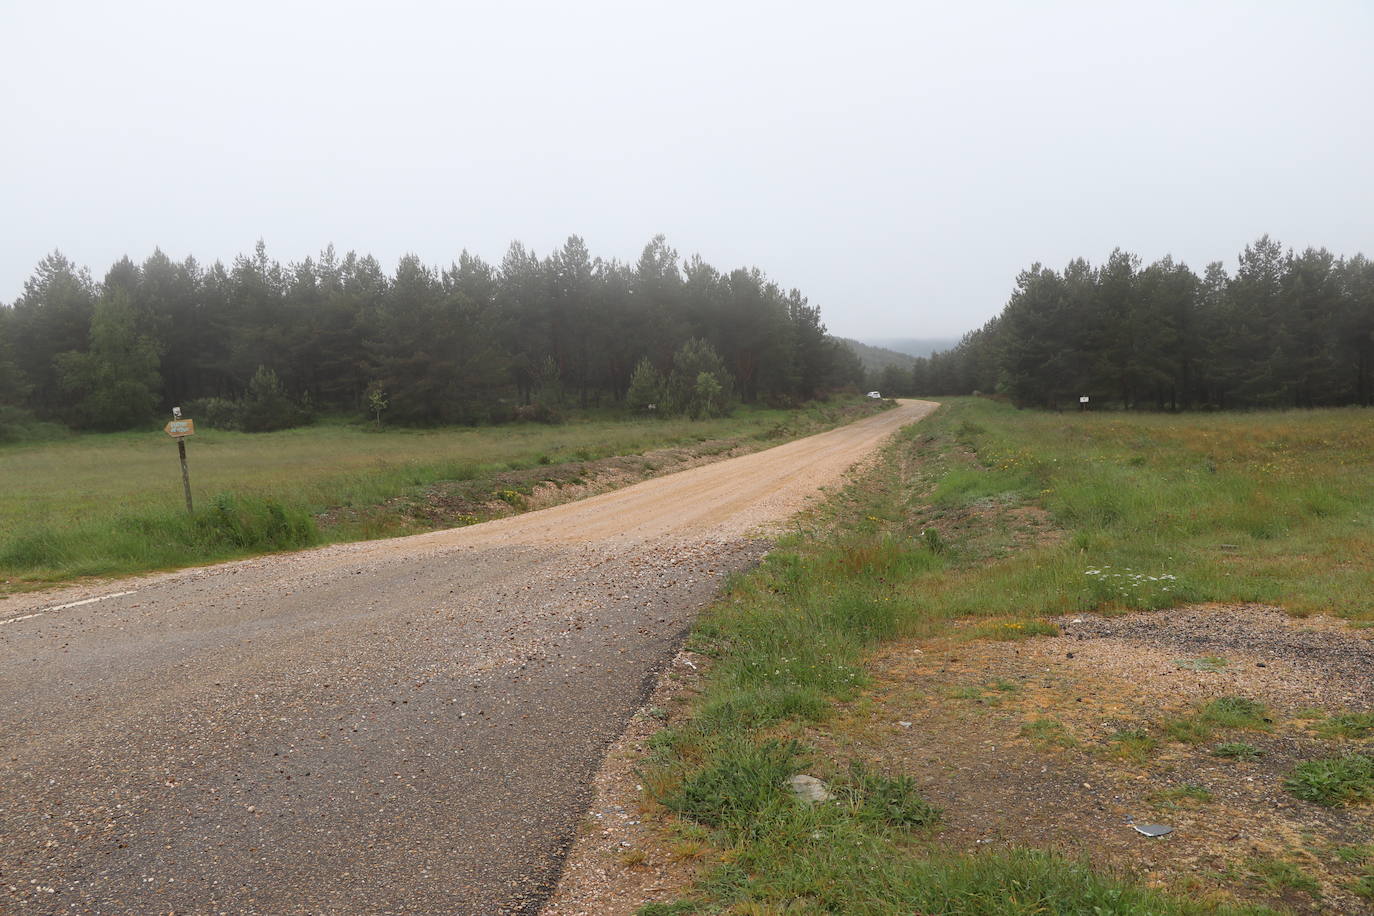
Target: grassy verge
[112, 504]
[984, 512]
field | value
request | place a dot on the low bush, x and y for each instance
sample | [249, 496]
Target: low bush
[264, 407]
[214, 413]
[17, 425]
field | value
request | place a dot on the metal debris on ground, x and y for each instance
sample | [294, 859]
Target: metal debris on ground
[1152, 829]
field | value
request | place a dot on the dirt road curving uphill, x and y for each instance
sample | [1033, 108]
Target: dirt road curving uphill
[401, 726]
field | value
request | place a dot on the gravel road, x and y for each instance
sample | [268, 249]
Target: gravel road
[401, 726]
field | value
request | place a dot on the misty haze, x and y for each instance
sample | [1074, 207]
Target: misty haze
[606, 458]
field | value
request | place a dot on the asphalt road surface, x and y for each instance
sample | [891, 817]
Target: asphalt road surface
[402, 726]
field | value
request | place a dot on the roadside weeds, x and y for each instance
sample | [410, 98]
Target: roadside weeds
[959, 546]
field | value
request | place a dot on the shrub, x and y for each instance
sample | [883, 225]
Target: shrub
[646, 388]
[215, 413]
[699, 385]
[265, 406]
[18, 425]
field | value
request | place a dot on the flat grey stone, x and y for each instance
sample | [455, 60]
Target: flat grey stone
[808, 788]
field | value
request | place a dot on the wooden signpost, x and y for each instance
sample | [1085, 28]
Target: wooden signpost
[179, 429]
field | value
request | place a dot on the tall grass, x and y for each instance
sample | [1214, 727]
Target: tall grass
[229, 527]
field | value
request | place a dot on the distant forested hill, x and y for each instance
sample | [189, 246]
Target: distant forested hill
[915, 346]
[876, 359]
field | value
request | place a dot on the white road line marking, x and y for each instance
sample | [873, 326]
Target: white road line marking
[63, 607]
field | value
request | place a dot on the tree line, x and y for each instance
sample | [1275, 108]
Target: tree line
[1286, 330]
[261, 345]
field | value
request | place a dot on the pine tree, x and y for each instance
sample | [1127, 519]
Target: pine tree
[646, 388]
[13, 387]
[115, 384]
[687, 393]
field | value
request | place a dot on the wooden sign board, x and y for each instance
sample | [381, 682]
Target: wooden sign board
[178, 429]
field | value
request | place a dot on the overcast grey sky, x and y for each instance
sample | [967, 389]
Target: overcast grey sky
[899, 163]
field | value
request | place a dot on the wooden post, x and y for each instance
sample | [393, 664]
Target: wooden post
[185, 475]
[179, 429]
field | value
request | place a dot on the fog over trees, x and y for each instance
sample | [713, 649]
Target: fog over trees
[256, 345]
[1287, 329]
[259, 345]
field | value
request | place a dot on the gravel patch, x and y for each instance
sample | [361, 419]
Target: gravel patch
[1314, 661]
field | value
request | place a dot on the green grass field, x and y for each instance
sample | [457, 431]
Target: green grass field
[111, 504]
[1273, 507]
[984, 512]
